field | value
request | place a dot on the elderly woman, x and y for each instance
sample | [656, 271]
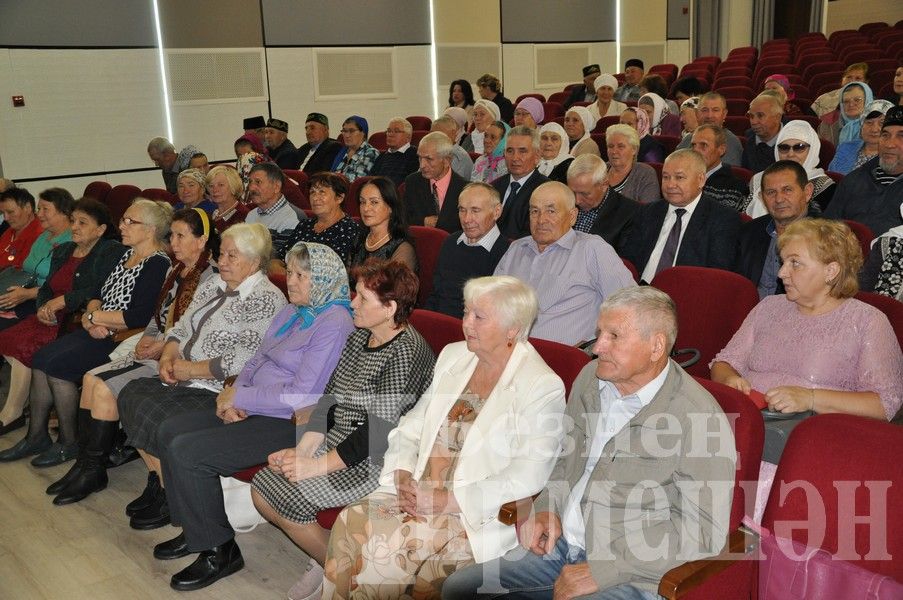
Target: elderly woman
[554, 157]
[853, 154]
[126, 300]
[883, 271]
[797, 141]
[386, 236]
[357, 156]
[330, 225]
[650, 149]
[436, 505]
[605, 104]
[661, 120]
[195, 246]
[529, 112]
[634, 180]
[220, 331]
[226, 190]
[77, 268]
[485, 113]
[18, 208]
[460, 95]
[689, 117]
[491, 165]
[656, 84]
[253, 417]
[843, 124]
[462, 119]
[384, 369]
[687, 87]
[191, 186]
[578, 124]
[781, 84]
[816, 348]
[248, 143]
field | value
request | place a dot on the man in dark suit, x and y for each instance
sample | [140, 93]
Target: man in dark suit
[585, 92]
[400, 160]
[600, 209]
[721, 185]
[787, 195]
[282, 150]
[431, 193]
[765, 114]
[515, 188]
[686, 228]
[320, 150]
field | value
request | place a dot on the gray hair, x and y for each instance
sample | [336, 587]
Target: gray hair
[514, 300]
[718, 132]
[156, 215]
[693, 156]
[654, 309]
[771, 98]
[570, 201]
[494, 197]
[405, 124]
[300, 256]
[588, 164]
[252, 240]
[440, 143]
[233, 179]
[529, 132]
[160, 145]
[713, 96]
[271, 170]
[633, 138]
[447, 124]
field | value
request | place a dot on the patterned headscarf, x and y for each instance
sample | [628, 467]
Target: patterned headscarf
[244, 164]
[659, 111]
[328, 286]
[642, 122]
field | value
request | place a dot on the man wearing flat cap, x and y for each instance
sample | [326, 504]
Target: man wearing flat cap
[585, 92]
[320, 150]
[282, 150]
[255, 125]
[633, 75]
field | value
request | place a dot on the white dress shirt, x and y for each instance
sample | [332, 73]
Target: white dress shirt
[670, 218]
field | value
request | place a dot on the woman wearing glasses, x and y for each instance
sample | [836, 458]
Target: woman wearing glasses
[126, 301]
[843, 124]
[356, 159]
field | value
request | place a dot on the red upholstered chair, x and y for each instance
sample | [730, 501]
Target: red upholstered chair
[736, 106]
[557, 98]
[863, 234]
[278, 279]
[605, 122]
[293, 193]
[539, 97]
[890, 307]
[570, 87]
[427, 242]
[299, 177]
[159, 194]
[97, 190]
[566, 361]
[741, 173]
[417, 136]
[119, 199]
[438, 329]
[420, 123]
[742, 93]
[632, 268]
[599, 138]
[737, 124]
[711, 306]
[378, 140]
[670, 142]
[553, 109]
[658, 171]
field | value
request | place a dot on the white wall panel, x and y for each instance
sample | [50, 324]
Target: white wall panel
[518, 60]
[677, 52]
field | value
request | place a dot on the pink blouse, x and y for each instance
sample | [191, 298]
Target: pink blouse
[852, 348]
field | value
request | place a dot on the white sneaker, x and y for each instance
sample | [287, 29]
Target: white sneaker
[310, 586]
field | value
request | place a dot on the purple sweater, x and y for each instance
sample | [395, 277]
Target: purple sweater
[290, 372]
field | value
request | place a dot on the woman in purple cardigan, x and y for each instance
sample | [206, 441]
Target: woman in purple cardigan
[254, 416]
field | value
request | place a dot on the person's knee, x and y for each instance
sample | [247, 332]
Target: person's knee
[463, 583]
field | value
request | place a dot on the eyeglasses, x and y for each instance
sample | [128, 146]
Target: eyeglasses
[350, 131]
[130, 221]
[521, 113]
[795, 147]
[853, 101]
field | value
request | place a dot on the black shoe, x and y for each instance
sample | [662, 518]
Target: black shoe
[154, 516]
[147, 496]
[25, 448]
[84, 424]
[121, 455]
[12, 425]
[177, 547]
[57, 454]
[93, 475]
[60, 484]
[209, 566]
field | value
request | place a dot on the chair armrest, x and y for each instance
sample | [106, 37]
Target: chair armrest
[516, 511]
[682, 579]
[121, 336]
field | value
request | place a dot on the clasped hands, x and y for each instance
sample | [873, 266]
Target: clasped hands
[294, 466]
[783, 398]
[417, 498]
[539, 534]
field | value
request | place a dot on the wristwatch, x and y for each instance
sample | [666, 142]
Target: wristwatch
[91, 317]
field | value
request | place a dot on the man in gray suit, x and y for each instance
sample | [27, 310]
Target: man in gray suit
[644, 483]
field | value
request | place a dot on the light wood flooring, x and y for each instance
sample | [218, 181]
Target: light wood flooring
[87, 550]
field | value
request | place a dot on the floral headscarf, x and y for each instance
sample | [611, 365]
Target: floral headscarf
[659, 111]
[328, 286]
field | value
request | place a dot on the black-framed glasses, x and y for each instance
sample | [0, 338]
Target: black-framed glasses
[795, 147]
[130, 221]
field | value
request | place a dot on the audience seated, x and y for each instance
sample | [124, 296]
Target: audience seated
[192, 189]
[713, 111]
[460, 95]
[226, 190]
[490, 88]
[529, 112]
[687, 227]
[843, 124]
[474, 252]
[515, 188]
[781, 84]
[687, 87]
[626, 176]
[650, 150]
[587, 91]
[463, 119]
[689, 117]
[571, 271]
[663, 119]
[589, 527]
[383, 370]
[605, 105]
[491, 165]
[383, 216]
[855, 153]
[18, 207]
[283, 152]
[554, 156]
[461, 163]
[896, 95]
[829, 101]
[633, 75]
[765, 113]
[256, 125]
[163, 154]
[357, 157]
[600, 209]
[400, 160]
[320, 150]
[199, 161]
[721, 185]
[485, 113]
[431, 194]
[265, 192]
[578, 123]
[883, 271]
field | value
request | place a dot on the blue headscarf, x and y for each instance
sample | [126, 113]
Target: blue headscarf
[499, 150]
[328, 286]
[852, 126]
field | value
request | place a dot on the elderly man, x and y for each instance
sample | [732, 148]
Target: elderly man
[473, 253]
[320, 150]
[787, 193]
[431, 193]
[634, 70]
[687, 227]
[461, 164]
[282, 150]
[515, 188]
[872, 193]
[200, 162]
[571, 271]
[594, 532]
[265, 190]
[765, 113]
[721, 184]
[587, 91]
[400, 160]
[600, 210]
[712, 110]
[255, 125]
[163, 154]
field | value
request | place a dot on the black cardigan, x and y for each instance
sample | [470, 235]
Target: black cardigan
[89, 276]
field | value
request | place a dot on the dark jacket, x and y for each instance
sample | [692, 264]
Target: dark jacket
[89, 276]
[396, 165]
[506, 109]
[515, 220]
[615, 219]
[727, 189]
[285, 155]
[756, 156]
[710, 238]
[323, 156]
[418, 200]
[578, 94]
[860, 198]
[456, 264]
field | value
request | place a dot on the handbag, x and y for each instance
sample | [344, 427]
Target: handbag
[243, 517]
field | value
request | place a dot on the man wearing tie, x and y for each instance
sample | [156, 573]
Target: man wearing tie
[515, 188]
[686, 228]
[431, 193]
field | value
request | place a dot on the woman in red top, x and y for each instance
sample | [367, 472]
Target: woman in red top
[17, 206]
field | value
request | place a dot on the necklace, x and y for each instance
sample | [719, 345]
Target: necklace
[373, 246]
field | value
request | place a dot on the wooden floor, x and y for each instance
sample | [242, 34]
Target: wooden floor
[87, 550]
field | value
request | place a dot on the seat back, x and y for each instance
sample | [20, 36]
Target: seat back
[119, 199]
[97, 190]
[427, 243]
[420, 123]
[438, 329]
[864, 234]
[892, 308]
[295, 195]
[378, 140]
[159, 194]
[711, 306]
[566, 361]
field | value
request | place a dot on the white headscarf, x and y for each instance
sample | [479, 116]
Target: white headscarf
[477, 136]
[659, 112]
[588, 123]
[460, 116]
[545, 166]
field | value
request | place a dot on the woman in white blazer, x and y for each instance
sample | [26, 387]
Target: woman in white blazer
[486, 432]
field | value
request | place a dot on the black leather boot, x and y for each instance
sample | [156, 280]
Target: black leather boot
[121, 453]
[152, 516]
[93, 475]
[84, 424]
[210, 565]
[147, 495]
[177, 547]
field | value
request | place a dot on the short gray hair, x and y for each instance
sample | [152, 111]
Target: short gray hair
[252, 240]
[693, 156]
[529, 132]
[771, 98]
[440, 143]
[405, 124]
[514, 300]
[654, 309]
[156, 215]
[300, 255]
[160, 145]
[588, 164]
[633, 138]
[570, 201]
[718, 132]
[494, 197]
